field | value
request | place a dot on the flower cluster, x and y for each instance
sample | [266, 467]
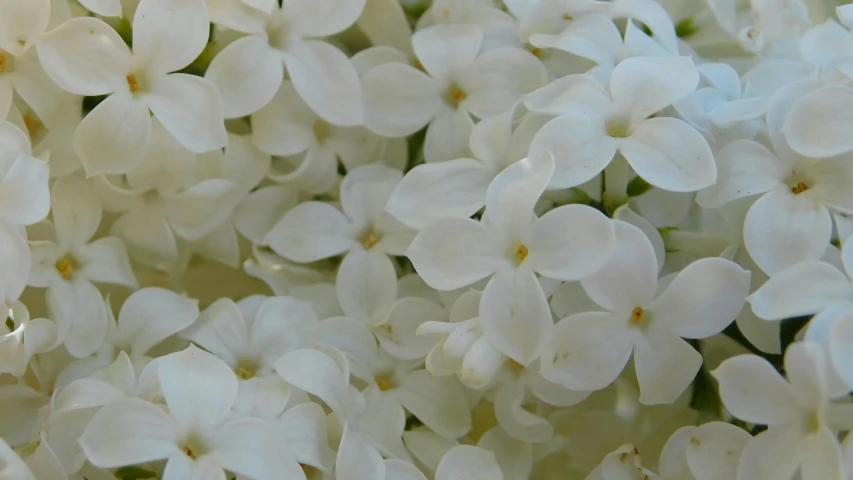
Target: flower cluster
[414, 239]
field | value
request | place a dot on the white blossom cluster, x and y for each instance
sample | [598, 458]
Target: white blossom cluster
[413, 239]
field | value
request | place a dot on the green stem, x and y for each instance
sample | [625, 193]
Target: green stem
[616, 177]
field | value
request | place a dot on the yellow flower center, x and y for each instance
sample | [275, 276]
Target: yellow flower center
[133, 83]
[637, 314]
[322, 131]
[66, 266]
[617, 128]
[370, 240]
[799, 188]
[521, 253]
[385, 382]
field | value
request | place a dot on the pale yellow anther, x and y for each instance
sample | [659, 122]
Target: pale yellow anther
[385, 382]
[457, 95]
[3, 63]
[617, 128]
[637, 314]
[22, 41]
[244, 373]
[567, 17]
[133, 83]
[800, 187]
[521, 253]
[370, 240]
[65, 267]
[189, 452]
[536, 52]
[33, 124]
[322, 131]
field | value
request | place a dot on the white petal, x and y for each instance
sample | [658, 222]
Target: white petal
[169, 34]
[282, 324]
[580, 146]
[714, 449]
[258, 212]
[322, 18]
[127, 432]
[439, 402]
[744, 168]
[514, 314]
[570, 242]
[823, 457]
[181, 466]
[304, 428]
[76, 212]
[397, 333]
[114, 137]
[445, 50]
[702, 299]
[642, 86]
[190, 108]
[24, 199]
[593, 36]
[470, 463]
[818, 124]
[247, 447]
[398, 99]
[285, 126]
[448, 135]
[803, 289]
[147, 231]
[354, 339]
[105, 8]
[652, 14]
[198, 210]
[105, 260]
[568, 93]
[782, 229]
[454, 252]
[774, 454]
[384, 22]
[311, 231]
[518, 422]
[513, 194]
[670, 154]
[85, 56]
[327, 81]
[247, 73]
[730, 113]
[666, 365]
[433, 191]
[22, 24]
[587, 351]
[221, 330]
[316, 373]
[755, 392]
[629, 278]
[399, 469]
[151, 315]
[357, 460]
[365, 192]
[366, 283]
[198, 387]
[497, 79]
[841, 346]
[82, 307]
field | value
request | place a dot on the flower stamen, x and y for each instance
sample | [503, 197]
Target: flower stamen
[637, 315]
[521, 253]
[133, 83]
[799, 188]
[66, 266]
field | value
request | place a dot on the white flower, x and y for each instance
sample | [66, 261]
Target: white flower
[456, 82]
[22, 25]
[587, 351]
[707, 452]
[26, 197]
[595, 123]
[457, 188]
[511, 245]
[87, 57]
[193, 432]
[249, 71]
[250, 336]
[796, 412]
[68, 267]
[312, 231]
[287, 126]
[163, 198]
